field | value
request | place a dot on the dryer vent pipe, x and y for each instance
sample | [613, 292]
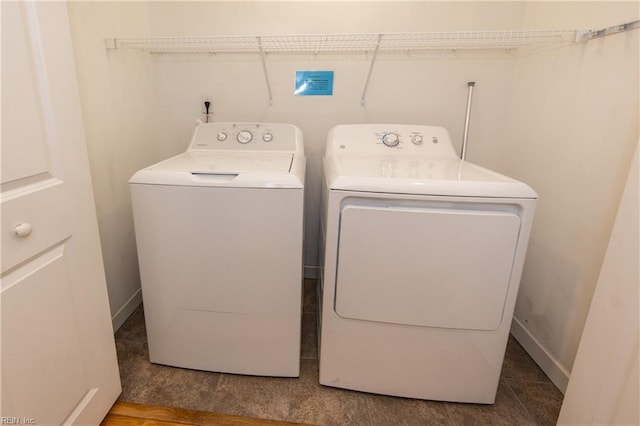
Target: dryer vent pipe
[463, 152]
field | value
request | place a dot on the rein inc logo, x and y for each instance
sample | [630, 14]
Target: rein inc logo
[17, 421]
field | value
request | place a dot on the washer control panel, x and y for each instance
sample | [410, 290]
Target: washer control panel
[250, 136]
[390, 139]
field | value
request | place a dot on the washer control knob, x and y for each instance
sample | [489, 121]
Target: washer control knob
[417, 139]
[222, 136]
[390, 139]
[267, 137]
[244, 136]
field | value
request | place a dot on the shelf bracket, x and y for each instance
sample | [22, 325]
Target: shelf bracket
[584, 35]
[110, 43]
[264, 68]
[373, 60]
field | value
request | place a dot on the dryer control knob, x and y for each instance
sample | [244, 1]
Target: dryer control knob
[267, 137]
[244, 136]
[390, 139]
[222, 136]
[417, 139]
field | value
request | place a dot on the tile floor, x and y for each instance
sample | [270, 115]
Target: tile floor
[525, 394]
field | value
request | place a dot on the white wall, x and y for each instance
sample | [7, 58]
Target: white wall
[573, 126]
[118, 102]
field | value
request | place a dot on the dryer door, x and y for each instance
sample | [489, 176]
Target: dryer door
[426, 266]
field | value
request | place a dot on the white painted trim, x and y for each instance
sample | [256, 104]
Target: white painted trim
[311, 272]
[551, 366]
[126, 310]
[80, 408]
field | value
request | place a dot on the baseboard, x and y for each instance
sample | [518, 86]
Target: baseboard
[126, 310]
[311, 272]
[551, 367]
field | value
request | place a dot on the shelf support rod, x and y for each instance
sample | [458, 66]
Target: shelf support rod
[467, 117]
[373, 60]
[615, 29]
[264, 68]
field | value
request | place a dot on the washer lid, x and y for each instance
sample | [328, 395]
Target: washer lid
[420, 176]
[227, 162]
[226, 168]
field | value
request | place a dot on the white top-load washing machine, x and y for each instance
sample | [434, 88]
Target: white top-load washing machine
[422, 258]
[219, 236]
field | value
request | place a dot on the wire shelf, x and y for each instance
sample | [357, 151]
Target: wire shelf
[455, 40]
[473, 40]
[375, 43]
[335, 43]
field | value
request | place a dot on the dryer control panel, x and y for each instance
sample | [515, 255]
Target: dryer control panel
[390, 139]
[240, 136]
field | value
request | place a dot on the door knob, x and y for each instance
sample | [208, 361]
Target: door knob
[22, 230]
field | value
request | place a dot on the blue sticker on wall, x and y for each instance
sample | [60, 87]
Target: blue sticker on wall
[314, 83]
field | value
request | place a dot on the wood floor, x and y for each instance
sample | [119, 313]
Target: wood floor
[130, 414]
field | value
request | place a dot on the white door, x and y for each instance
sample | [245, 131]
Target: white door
[604, 387]
[58, 354]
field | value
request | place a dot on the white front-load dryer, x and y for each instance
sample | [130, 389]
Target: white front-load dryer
[219, 236]
[422, 258]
